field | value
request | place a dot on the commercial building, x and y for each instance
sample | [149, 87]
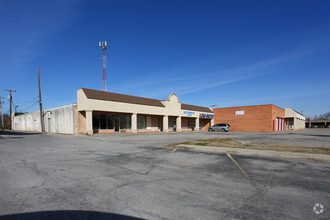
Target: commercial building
[251, 118]
[107, 112]
[294, 120]
[56, 120]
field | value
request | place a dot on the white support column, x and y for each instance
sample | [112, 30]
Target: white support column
[212, 121]
[165, 123]
[196, 124]
[134, 123]
[89, 122]
[178, 124]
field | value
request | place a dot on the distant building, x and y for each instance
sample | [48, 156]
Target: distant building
[294, 120]
[318, 124]
[251, 118]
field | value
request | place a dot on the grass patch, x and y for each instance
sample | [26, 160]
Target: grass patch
[230, 142]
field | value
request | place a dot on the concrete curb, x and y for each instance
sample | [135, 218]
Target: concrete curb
[251, 152]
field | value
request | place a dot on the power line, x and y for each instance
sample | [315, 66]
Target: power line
[27, 103]
[29, 106]
[33, 100]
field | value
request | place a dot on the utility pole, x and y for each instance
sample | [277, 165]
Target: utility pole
[40, 104]
[10, 99]
[2, 126]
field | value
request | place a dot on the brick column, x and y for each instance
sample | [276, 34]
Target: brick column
[134, 123]
[89, 122]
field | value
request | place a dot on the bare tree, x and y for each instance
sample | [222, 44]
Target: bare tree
[325, 116]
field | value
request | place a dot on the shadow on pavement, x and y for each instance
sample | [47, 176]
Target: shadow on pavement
[313, 135]
[68, 214]
[6, 132]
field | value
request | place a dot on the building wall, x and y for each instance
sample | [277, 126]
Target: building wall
[58, 120]
[294, 120]
[277, 112]
[172, 107]
[169, 113]
[81, 122]
[121, 107]
[255, 118]
[206, 124]
[299, 124]
[27, 122]
[75, 117]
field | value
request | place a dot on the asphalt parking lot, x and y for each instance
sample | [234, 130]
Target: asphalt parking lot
[134, 176]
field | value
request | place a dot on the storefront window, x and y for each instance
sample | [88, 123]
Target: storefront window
[191, 122]
[141, 122]
[201, 124]
[96, 121]
[106, 121]
[127, 119]
[103, 121]
[110, 121]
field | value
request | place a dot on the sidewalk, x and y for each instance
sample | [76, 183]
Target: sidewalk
[250, 152]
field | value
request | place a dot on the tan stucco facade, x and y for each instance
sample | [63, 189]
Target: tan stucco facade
[294, 120]
[170, 113]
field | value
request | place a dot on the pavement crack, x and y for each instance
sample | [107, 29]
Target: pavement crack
[260, 191]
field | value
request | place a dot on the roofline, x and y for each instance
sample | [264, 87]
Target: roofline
[251, 106]
[317, 121]
[147, 98]
[297, 112]
[122, 94]
[196, 106]
[45, 110]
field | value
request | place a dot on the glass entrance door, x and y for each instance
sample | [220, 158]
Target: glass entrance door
[201, 124]
[117, 123]
[160, 123]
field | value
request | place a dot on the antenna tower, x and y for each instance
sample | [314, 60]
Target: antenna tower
[103, 44]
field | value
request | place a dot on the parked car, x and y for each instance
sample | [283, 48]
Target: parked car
[220, 127]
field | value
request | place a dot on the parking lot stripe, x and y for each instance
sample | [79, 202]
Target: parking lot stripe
[249, 178]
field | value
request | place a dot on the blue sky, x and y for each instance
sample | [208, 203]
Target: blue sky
[226, 53]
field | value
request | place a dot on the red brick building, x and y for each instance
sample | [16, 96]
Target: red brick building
[251, 118]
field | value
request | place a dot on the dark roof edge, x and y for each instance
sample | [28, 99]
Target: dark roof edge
[122, 94]
[183, 106]
[298, 112]
[195, 108]
[159, 103]
[250, 106]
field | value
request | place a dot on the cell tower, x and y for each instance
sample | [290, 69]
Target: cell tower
[103, 44]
